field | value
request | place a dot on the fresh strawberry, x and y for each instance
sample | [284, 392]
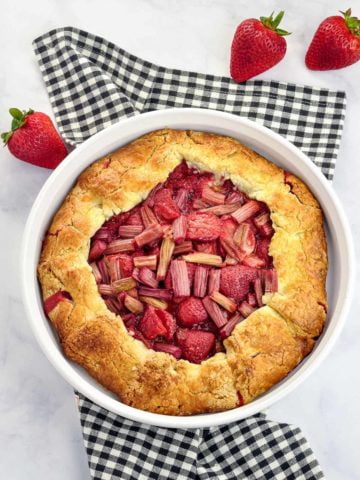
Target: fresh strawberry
[235, 281]
[206, 247]
[195, 344]
[33, 139]
[151, 324]
[336, 43]
[164, 205]
[203, 226]
[257, 46]
[191, 312]
[126, 265]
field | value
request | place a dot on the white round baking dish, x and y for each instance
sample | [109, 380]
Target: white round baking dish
[272, 146]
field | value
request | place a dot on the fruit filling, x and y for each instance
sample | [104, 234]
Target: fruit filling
[188, 264]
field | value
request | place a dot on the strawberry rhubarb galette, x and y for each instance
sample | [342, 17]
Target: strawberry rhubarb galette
[186, 273]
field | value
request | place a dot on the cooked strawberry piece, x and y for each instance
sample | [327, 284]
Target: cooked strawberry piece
[134, 219]
[139, 336]
[203, 227]
[206, 247]
[151, 324]
[97, 249]
[51, 302]
[165, 206]
[169, 323]
[196, 345]
[262, 250]
[235, 281]
[228, 226]
[126, 265]
[168, 348]
[191, 311]
[253, 261]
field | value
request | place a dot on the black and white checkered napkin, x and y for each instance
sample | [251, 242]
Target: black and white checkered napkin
[92, 83]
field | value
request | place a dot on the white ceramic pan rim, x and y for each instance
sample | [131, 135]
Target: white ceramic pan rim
[265, 141]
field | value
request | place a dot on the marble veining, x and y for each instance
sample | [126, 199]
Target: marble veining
[40, 433]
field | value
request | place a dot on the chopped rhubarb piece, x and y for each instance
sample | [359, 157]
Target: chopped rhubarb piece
[147, 277]
[181, 199]
[266, 230]
[164, 205]
[222, 209]
[185, 247]
[96, 272]
[133, 304]
[132, 292]
[224, 302]
[191, 267]
[198, 204]
[169, 323]
[160, 293]
[111, 305]
[134, 218]
[130, 231]
[135, 274]
[236, 281]
[102, 266]
[214, 281]
[180, 278]
[179, 229]
[118, 246]
[270, 281]
[231, 324]
[168, 348]
[103, 234]
[129, 319]
[203, 258]
[211, 197]
[230, 260]
[154, 232]
[262, 219]
[235, 197]
[258, 291]
[148, 216]
[168, 279]
[246, 211]
[114, 267]
[166, 251]
[251, 299]
[253, 261]
[151, 324]
[215, 312]
[155, 302]
[200, 281]
[228, 227]
[206, 247]
[123, 284]
[51, 302]
[262, 250]
[245, 309]
[229, 247]
[105, 289]
[203, 227]
[196, 345]
[191, 312]
[97, 249]
[245, 238]
[148, 261]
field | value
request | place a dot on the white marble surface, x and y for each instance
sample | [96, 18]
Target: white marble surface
[40, 435]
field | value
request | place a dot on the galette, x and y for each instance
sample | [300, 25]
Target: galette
[186, 273]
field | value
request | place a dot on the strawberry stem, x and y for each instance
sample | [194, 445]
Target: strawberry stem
[272, 23]
[353, 23]
[18, 120]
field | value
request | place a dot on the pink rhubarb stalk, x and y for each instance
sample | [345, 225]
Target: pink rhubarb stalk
[180, 278]
[154, 232]
[215, 312]
[130, 231]
[200, 281]
[166, 251]
[119, 246]
[149, 261]
[246, 211]
[147, 277]
[179, 229]
[224, 301]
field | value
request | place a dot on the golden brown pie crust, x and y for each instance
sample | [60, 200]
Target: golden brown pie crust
[262, 349]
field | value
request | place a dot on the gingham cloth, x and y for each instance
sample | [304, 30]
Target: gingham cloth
[92, 83]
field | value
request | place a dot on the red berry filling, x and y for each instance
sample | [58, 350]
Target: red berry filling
[187, 265]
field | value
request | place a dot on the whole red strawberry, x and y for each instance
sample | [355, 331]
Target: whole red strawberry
[257, 46]
[33, 139]
[336, 43]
